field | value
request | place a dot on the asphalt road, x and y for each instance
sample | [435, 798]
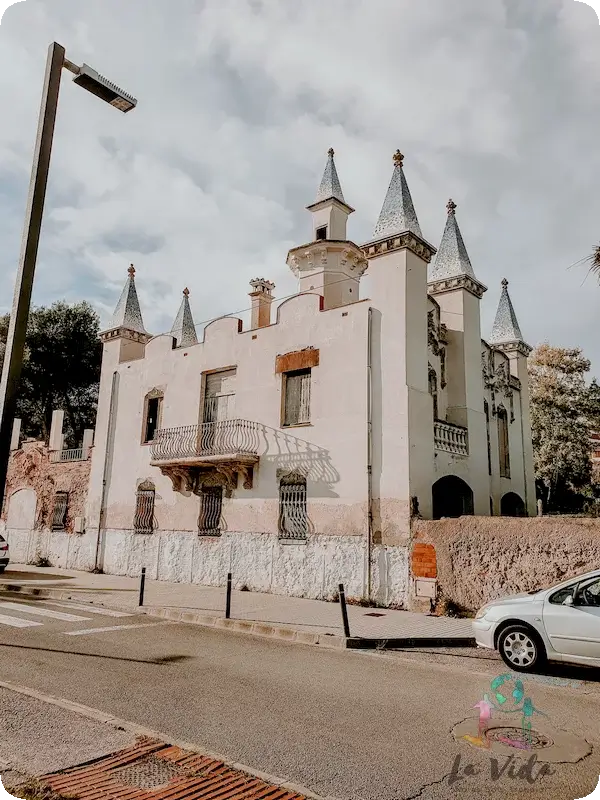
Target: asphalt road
[345, 724]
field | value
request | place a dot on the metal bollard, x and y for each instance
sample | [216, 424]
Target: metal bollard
[344, 611]
[142, 586]
[228, 601]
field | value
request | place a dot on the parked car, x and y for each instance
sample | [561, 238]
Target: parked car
[557, 624]
[4, 559]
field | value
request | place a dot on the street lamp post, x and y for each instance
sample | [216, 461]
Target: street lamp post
[15, 343]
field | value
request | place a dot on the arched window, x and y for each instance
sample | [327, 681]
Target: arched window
[143, 520]
[486, 409]
[503, 447]
[433, 390]
[293, 519]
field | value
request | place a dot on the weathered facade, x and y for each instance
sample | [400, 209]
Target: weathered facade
[45, 498]
[295, 453]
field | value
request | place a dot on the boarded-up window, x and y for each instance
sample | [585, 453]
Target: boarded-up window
[211, 506]
[219, 396]
[503, 448]
[296, 400]
[293, 519]
[59, 513]
[143, 521]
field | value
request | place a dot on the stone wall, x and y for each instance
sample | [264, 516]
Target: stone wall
[481, 558]
[26, 519]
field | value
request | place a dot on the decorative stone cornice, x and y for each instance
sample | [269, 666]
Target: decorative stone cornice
[513, 347]
[472, 285]
[125, 333]
[403, 241]
[336, 254]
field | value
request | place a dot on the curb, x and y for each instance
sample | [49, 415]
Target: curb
[329, 641]
[139, 730]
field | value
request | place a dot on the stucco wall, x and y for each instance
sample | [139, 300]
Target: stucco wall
[481, 558]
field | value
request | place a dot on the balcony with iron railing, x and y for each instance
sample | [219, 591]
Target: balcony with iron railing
[229, 447]
[451, 438]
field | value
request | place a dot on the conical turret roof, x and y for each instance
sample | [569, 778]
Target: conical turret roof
[398, 214]
[330, 186]
[127, 313]
[505, 328]
[184, 330]
[452, 258]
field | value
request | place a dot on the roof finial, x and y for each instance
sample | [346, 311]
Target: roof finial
[331, 152]
[398, 158]
[451, 206]
[131, 271]
[504, 283]
[186, 292]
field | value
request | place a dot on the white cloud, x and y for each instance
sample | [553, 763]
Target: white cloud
[205, 183]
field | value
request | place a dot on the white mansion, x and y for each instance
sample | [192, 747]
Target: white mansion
[295, 453]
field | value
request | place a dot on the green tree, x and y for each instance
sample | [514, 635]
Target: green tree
[564, 410]
[61, 369]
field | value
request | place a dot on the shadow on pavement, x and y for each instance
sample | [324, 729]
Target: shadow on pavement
[161, 661]
[9, 576]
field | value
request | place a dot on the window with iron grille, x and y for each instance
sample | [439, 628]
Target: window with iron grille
[143, 521]
[296, 399]
[293, 519]
[211, 506]
[59, 514]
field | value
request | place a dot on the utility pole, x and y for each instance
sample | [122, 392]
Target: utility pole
[97, 84]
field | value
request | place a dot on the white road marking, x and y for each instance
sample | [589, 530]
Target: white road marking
[15, 622]
[104, 612]
[41, 612]
[114, 628]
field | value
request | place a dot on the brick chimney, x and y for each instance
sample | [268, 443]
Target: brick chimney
[262, 297]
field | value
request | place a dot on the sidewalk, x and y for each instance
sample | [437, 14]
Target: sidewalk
[308, 621]
[56, 748]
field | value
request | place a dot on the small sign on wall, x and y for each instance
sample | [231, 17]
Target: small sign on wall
[426, 587]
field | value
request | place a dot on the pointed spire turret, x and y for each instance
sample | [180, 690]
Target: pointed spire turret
[330, 186]
[184, 330]
[127, 313]
[506, 328]
[452, 259]
[398, 213]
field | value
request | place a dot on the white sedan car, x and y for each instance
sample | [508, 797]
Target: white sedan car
[557, 624]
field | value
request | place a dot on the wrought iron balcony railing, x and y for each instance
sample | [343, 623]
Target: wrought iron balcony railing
[227, 437]
[451, 438]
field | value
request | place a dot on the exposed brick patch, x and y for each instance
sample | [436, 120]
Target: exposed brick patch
[301, 359]
[424, 561]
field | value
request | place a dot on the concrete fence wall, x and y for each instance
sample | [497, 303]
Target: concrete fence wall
[477, 559]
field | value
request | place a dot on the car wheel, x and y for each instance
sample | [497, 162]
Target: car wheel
[520, 648]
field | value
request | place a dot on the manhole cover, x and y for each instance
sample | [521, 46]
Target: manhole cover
[517, 737]
[374, 614]
[148, 773]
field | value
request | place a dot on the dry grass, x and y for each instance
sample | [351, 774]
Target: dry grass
[34, 790]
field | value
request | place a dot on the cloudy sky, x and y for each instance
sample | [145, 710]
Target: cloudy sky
[495, 104]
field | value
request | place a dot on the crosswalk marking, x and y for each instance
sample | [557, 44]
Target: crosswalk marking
[103, 612]
[113, 628]
[41, 612]
[15, 622]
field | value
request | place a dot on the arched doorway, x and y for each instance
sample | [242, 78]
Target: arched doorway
[511, 505]
[452, 497]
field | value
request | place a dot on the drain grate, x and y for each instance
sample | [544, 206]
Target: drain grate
[148, 773]
[374, 614]
[517, 737]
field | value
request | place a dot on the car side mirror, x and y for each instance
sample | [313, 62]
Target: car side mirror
[568, 601]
